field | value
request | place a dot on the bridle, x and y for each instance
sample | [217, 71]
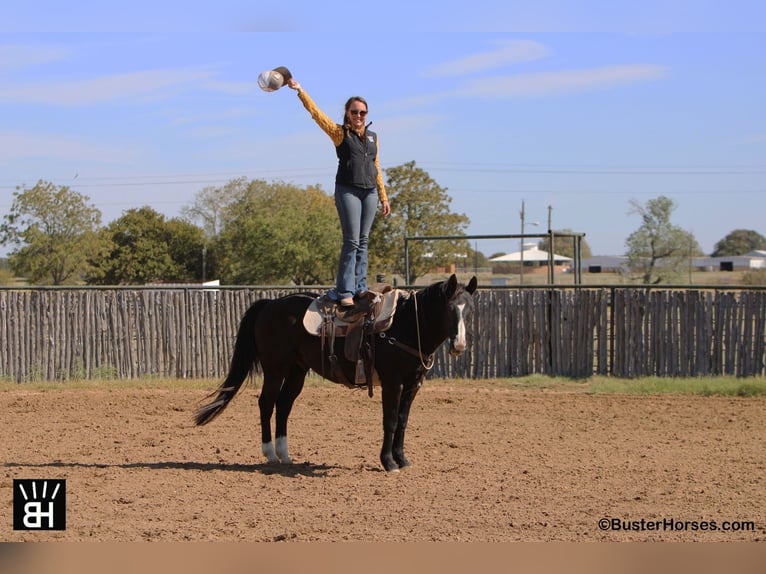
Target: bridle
[426, 361]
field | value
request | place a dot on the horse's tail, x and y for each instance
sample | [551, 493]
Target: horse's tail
[243, 363]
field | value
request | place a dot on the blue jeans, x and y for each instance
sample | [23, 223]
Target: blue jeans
[356, 211]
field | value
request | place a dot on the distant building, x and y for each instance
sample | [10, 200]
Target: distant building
[532, 256]
[753, 260]
[618, 263]
[605, 264]
[206, 285]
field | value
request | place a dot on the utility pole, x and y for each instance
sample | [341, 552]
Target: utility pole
[521, 241]
[521, 253]
[551, 260]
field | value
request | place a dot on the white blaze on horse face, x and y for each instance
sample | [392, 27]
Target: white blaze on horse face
[460, 340]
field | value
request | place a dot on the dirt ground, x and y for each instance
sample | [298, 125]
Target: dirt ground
[491, 463]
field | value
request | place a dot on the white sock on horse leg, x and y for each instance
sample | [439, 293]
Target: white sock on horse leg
[268, 451]
[282, 449]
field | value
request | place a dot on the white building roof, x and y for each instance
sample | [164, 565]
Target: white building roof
[530, 254]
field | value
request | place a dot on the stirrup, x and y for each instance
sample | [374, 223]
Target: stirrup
[349, 312]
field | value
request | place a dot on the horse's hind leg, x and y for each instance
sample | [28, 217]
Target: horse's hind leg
[267, 400]
[290, 390]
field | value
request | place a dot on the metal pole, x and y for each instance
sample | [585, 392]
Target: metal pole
[551, 262]
[406, 261]
[551, 258]
[204, 262]
[521, 241]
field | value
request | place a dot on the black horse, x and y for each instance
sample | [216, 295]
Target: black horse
[271, 333]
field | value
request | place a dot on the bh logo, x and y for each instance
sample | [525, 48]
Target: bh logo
[39, 504]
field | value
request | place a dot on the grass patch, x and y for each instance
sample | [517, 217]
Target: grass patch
[708, 386]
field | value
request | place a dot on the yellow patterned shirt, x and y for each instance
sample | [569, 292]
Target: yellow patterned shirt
[335, 131]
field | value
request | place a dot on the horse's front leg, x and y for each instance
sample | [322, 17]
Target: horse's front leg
[391, 393]
[405, 402]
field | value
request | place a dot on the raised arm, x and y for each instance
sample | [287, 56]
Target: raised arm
[322, 119]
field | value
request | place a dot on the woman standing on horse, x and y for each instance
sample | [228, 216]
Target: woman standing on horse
[358, 187]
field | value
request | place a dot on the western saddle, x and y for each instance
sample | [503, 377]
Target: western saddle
[372, 313]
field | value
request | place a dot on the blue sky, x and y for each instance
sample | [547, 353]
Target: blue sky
[578, 106]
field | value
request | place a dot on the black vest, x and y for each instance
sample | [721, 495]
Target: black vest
[356, 159]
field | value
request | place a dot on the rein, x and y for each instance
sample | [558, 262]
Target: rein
[427, 361]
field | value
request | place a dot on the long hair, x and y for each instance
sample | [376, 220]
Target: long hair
[351, 100]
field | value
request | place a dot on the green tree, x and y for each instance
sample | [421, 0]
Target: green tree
[188, 247]
[211, 203]
[55, 230]
[565, 245]
[279, 233]
[419, 207]
[659, 251]
[142, 246]
[473, 259]
[739, 242]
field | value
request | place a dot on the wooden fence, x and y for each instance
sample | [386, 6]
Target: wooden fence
[61, 334]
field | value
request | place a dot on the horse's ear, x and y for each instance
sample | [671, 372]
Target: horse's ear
[450, 286]
[472, 284]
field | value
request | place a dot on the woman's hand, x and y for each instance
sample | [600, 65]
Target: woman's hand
[291, 83]
[386, 209]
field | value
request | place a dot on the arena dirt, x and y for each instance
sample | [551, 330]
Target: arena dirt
[490, 464]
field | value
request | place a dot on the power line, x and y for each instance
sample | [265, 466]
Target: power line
[608, 191]
[587, 169]
[289, 173]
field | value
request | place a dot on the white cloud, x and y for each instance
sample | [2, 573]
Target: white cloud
[506, 52]
[752, 139]
[562, 82]
[538, 84]
[215, 117]
[146, 84]
[15, 146]
[18, 56]
[232, 88]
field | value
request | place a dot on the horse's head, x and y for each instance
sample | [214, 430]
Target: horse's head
[460, 305]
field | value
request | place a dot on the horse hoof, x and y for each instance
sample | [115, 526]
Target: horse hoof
[268, 451]
[390, 465]
[403, 462]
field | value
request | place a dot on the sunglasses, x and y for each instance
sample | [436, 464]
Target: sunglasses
[358, 112]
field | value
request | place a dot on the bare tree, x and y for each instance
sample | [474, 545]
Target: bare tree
[659, 251]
